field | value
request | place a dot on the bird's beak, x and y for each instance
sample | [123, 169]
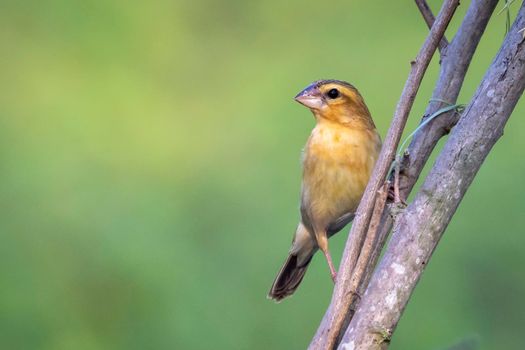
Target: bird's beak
[309, 99]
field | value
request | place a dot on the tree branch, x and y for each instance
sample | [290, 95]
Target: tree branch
[419, 229]
[454, 67]
[428, 16]
[333, 321]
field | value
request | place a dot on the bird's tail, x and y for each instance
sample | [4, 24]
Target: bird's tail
[288, 278]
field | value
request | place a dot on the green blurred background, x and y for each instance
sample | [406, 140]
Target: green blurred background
[150, 175]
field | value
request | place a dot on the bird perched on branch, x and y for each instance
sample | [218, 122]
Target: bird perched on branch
[338, 160]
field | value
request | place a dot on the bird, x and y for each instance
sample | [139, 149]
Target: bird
[337, 161]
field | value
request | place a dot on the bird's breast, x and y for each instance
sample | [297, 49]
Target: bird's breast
[337, 164]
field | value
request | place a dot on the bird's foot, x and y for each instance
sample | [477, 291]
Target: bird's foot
[394, 195]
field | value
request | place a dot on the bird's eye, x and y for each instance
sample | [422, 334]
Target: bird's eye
[333, 93]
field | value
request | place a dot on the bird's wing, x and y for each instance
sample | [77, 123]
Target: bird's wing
[339, 223]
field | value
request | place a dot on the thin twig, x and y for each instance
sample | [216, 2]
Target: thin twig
[428, 16]
[330, 328]
[370, 241]
[368, 249]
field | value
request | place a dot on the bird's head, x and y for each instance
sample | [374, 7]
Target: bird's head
[334, 100]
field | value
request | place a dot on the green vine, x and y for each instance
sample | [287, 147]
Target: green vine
[506, 9]
[458, 108]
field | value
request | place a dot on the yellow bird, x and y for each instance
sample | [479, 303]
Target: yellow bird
[338, 160]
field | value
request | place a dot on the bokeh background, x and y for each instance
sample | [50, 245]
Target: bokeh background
[149, 175]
